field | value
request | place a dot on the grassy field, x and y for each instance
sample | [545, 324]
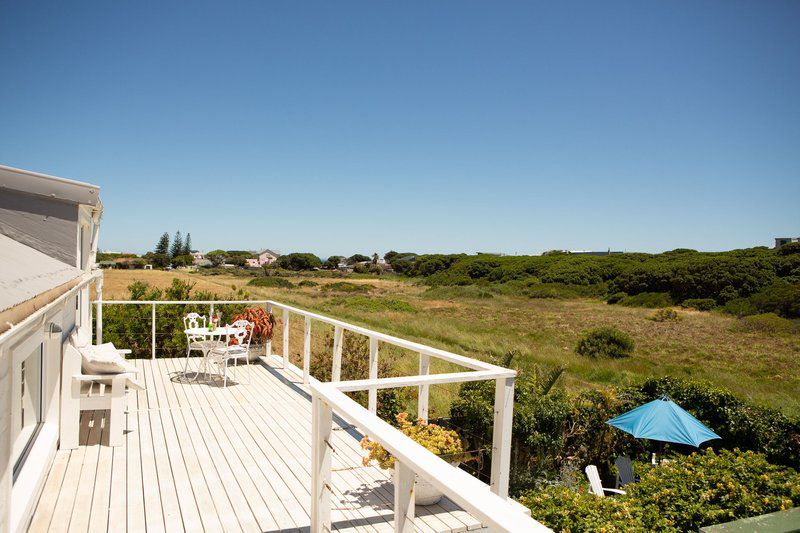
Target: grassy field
[758, 366]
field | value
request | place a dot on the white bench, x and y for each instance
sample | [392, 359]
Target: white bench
[89, 392]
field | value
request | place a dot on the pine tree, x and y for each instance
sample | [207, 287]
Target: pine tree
[177, 245]
[187, 244]
[163, 244]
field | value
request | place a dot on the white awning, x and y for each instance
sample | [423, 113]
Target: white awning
[26, 273]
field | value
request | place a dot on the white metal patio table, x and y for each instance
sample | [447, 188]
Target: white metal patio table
[209, 336]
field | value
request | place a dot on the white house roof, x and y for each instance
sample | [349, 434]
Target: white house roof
[26, 273]
[51, 186]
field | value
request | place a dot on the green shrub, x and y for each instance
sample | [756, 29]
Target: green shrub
[616, 298]
[684, 495]
[789, 249]
[665, 315]
[781, 298]
[271, 281]
[129, 326]
[562, 290]
[298, 261]
[605, 342]
[701, 304]
[540, 415]
[652, 300]
[345, 286]
[307, 283]
[450, 293]
[374, 305]
[766, 323]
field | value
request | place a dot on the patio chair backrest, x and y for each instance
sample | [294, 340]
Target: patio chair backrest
[194, 320]
[594, 480]
[243, 334]
[625, 473]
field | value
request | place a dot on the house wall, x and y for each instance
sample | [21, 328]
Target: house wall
[18, 497]
[47, 225]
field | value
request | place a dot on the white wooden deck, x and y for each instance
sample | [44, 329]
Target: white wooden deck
[200, 457]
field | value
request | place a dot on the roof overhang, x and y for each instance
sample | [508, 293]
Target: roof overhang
[26, 273]
[29, 182]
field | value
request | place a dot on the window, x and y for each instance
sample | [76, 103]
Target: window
[27, 404]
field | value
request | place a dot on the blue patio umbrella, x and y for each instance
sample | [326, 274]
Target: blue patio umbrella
[663, 420]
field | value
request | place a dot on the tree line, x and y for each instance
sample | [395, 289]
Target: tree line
[176, 253]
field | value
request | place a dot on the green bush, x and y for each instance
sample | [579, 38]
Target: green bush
[540, 415]
[450, 293]
[686, 494]
[129, 326]
[616, 298]
[780, 298]
[605, 342]
[374, 305]
[652, 300]
[345, 286]
[766, 323]
[307, 283]
[701, 304]
[271, 281]
[665, 315]
[298, 261]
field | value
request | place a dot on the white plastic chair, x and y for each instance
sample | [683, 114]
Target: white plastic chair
[625, 474]
[223, 355]
[194, 342]
[595, 484]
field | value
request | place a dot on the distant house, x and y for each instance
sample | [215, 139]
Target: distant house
[267, 257]
[197, 257]
[781, 241]
[589, 252]
[252, 263]
[203, 263]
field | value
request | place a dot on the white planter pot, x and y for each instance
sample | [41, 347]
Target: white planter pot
[425, 493]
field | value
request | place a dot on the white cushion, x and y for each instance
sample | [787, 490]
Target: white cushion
[80, 338]
[103, 359]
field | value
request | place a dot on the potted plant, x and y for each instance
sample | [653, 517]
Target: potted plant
[436, 439]
[263, 325]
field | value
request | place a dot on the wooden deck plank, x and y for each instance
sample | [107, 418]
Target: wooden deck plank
[198, 456]
[101, 495]
[153, 514]
[235, 496]
[189, 462]
[221, 506]
[187, 503]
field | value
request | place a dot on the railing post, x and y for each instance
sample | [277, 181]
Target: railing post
[321, 421]
[501, 435]
[403, 498]
[153, 333]
[373, 374]
[424, 390]
[98, 336]
[306, 350]
[210, 311]
[285, 336]
[268, 345]
[338, 340]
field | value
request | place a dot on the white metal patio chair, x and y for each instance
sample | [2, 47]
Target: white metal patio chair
[625, 474]
[194, 342]
[596, 485]
[236, 347]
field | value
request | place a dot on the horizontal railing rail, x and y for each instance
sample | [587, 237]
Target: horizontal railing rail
[488, 503]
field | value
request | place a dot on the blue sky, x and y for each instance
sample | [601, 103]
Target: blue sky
[342, 127]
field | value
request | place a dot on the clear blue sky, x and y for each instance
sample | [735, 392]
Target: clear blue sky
[342, 127]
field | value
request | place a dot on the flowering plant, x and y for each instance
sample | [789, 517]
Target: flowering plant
[436, 439]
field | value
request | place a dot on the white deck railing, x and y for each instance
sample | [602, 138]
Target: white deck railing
[488, 503]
